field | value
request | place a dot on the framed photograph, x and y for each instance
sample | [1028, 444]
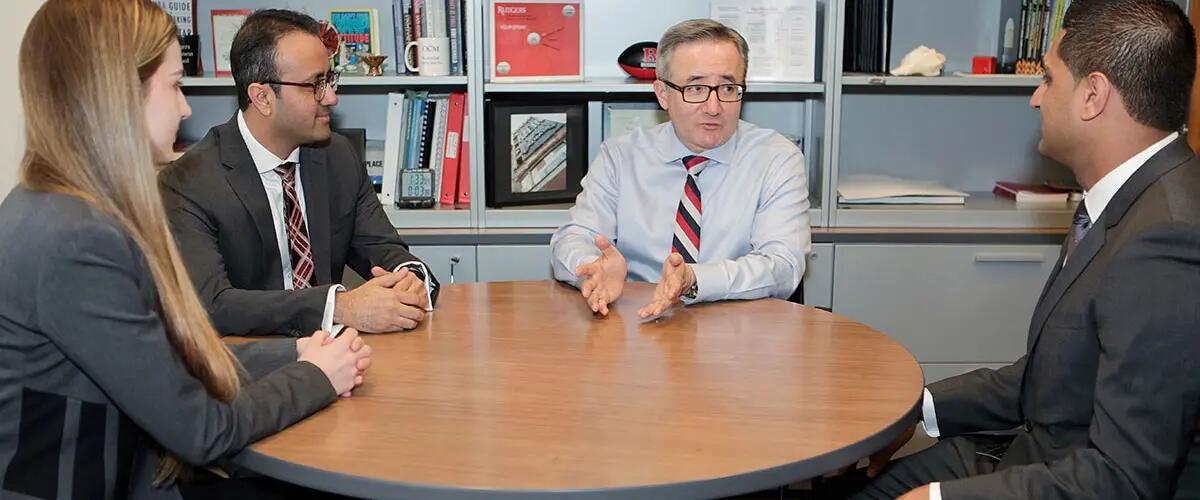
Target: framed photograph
[225, 24]
[536, 40]
[539, 155]
[621, 118]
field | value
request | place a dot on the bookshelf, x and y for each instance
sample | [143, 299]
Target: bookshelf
[982, 209]
[362, 100]
[964, 131]
[618, 84]
[794, 108]
[797, 109]
[344, 82]
[1015, 81]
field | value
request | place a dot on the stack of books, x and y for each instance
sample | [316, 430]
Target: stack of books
[1032, 193]
[884, 189]
[868, 36]
[359, 31]
[1028, 28]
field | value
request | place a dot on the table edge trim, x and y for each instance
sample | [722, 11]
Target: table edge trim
[346, 484]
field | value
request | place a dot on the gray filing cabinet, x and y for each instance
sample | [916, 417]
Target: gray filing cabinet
[956, 307]
[818, 276]
[440, 259]
[513, 262]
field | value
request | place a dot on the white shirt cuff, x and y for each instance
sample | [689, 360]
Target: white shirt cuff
[929, 418]
[935, 491]
[711, 283]
[428, 289]
[327, 318]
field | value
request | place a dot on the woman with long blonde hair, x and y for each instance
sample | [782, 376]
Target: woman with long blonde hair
[113, 383]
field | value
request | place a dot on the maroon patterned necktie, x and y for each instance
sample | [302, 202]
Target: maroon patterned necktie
[686, 241]
[299, 248]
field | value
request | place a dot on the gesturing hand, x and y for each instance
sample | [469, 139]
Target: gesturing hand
[604, 277]
[677, 277]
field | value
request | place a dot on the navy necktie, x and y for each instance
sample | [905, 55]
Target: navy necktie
[1080, 223]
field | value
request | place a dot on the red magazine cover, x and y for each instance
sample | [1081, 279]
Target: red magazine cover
[537, 40]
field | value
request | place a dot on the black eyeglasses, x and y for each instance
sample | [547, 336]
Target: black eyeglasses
[319, 87]
[696, 93]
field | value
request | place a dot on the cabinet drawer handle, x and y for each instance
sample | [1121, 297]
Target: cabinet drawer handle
[454, 260]
[1009, 257]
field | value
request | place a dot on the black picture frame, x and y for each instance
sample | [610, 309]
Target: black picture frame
[550, 156]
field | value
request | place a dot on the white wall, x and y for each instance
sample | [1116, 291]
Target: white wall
[17, 14]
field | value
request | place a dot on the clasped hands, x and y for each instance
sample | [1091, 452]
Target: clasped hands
[604, 280]
[388, 302]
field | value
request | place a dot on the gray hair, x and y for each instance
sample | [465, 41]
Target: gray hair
[695, 30]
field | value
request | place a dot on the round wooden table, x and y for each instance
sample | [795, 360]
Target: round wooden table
[515, 389]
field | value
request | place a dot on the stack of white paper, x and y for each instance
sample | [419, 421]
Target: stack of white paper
[782, 35]
[884, 189]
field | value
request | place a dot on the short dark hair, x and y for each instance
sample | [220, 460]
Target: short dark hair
[1146, 48]
[252, 56]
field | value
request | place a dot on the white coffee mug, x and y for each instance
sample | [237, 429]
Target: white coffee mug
[433, 56]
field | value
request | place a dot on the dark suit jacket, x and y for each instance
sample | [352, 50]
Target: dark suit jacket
[222, 221]
[91, 387]
[1108, 395]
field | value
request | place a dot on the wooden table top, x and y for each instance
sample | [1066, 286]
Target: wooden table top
[512, 389]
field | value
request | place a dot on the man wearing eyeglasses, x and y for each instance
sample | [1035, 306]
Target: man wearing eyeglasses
[270, 207]
[709, 206]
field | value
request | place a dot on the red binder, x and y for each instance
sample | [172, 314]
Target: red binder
[450, 163]
[464, 161]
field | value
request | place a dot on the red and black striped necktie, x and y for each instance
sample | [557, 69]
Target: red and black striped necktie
[299, 248]
[686, 241]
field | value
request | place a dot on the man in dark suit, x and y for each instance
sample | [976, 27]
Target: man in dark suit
[1105, 402]
[270, 207]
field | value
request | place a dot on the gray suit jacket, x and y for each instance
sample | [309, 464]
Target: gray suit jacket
[1107, 397]
[90, 386]
[222, 220]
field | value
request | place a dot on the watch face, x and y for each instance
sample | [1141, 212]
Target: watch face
[415, 269]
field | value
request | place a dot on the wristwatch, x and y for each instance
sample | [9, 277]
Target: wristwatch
[690, 293]
[416, 269]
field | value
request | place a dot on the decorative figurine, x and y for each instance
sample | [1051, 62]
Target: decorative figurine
[374, 63]
[922, 61]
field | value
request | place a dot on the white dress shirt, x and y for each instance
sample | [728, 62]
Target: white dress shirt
[266, 162]
[1095, 199]
[754, 227]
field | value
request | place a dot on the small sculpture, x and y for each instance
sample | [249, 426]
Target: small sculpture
[922, 61]
[374, 63]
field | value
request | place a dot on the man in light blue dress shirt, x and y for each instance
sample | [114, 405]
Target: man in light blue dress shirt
[709, 206]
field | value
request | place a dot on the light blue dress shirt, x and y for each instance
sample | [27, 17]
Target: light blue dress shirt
[754, 228]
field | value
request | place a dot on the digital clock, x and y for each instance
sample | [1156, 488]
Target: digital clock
[416, 189]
